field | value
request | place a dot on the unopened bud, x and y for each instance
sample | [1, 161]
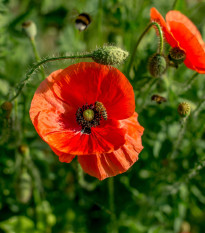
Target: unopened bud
[29, 27]
[24, 187]
[6, 108]
[176, 55]
[109, 55]
[184, 109]
[157, 65]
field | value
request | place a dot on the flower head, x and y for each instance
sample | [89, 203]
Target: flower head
[182, 35]
[87, 110]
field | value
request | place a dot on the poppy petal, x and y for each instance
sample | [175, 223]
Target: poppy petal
[157, 17]
[63, 157]
[110, 164]
[189, 39]
[88, 82]
[102, 139]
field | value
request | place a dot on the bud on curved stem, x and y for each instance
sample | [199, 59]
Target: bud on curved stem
[108, 55]
[160, 47]
[157, 65]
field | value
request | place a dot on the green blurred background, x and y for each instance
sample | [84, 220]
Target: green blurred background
[164, 191]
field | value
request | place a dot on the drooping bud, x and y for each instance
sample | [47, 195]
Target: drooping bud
[109, 55]
[6, 108]
[24, 187]
[184, 109]
[176, 55]
[157, 65]
[29, 27]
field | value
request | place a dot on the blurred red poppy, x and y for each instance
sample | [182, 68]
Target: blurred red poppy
[66, 114]
[181, 33]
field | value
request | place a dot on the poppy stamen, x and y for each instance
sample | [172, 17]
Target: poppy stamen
[177, 55]
[89, 116]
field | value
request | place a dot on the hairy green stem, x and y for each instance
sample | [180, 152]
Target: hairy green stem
[35, 51]
[35, 67]
[161, 44]
[113, 223]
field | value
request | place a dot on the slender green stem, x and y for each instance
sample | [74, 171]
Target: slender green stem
[198, 108]
[180, 137]
[161, 44]
[35, 67]
[35, 51]
[113, 223]
[174, 4]
[188, 84]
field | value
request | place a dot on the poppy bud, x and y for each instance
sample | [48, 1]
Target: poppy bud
[24, 187]
[6, 108]
[109, 55]
[176, 55]
[157, 65]
[29, 27]
[184, 109]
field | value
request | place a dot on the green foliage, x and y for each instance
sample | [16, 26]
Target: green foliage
[164, 189]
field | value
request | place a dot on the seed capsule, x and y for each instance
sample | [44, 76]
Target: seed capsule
[176, 55]
[184, 109]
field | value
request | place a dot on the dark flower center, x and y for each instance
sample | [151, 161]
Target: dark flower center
[177, 55]
[90, 115]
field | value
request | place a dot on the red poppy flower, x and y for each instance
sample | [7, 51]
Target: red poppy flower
[181, 33]
[66, 114]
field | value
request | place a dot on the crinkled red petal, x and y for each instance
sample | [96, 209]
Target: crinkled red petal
[189, 39]
[106, 165]
[88, 82]
[157, 17]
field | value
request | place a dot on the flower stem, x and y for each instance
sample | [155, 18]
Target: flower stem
[113, 223]
[35, 51]
[180, 137]
[161, 44]
[198, 108]
[35, 67]
[188, 84]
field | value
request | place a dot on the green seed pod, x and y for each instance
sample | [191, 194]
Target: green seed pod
[184, 109]
[109, 55]
[24, 187]
[24, 150]
[176, 55]
[29, 27]
[6, 108]
[157, 65]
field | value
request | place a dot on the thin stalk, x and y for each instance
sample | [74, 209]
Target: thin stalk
[113, 223]
[198, 108]
[187, 85]
[179, 139]
[161, 44]
[37, 57]
[35, 67]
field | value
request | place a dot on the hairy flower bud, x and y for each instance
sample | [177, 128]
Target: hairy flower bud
[29, 27]
[184, 109]
[176, 55]
[6, 108]
[109, 55]
[157, 65]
